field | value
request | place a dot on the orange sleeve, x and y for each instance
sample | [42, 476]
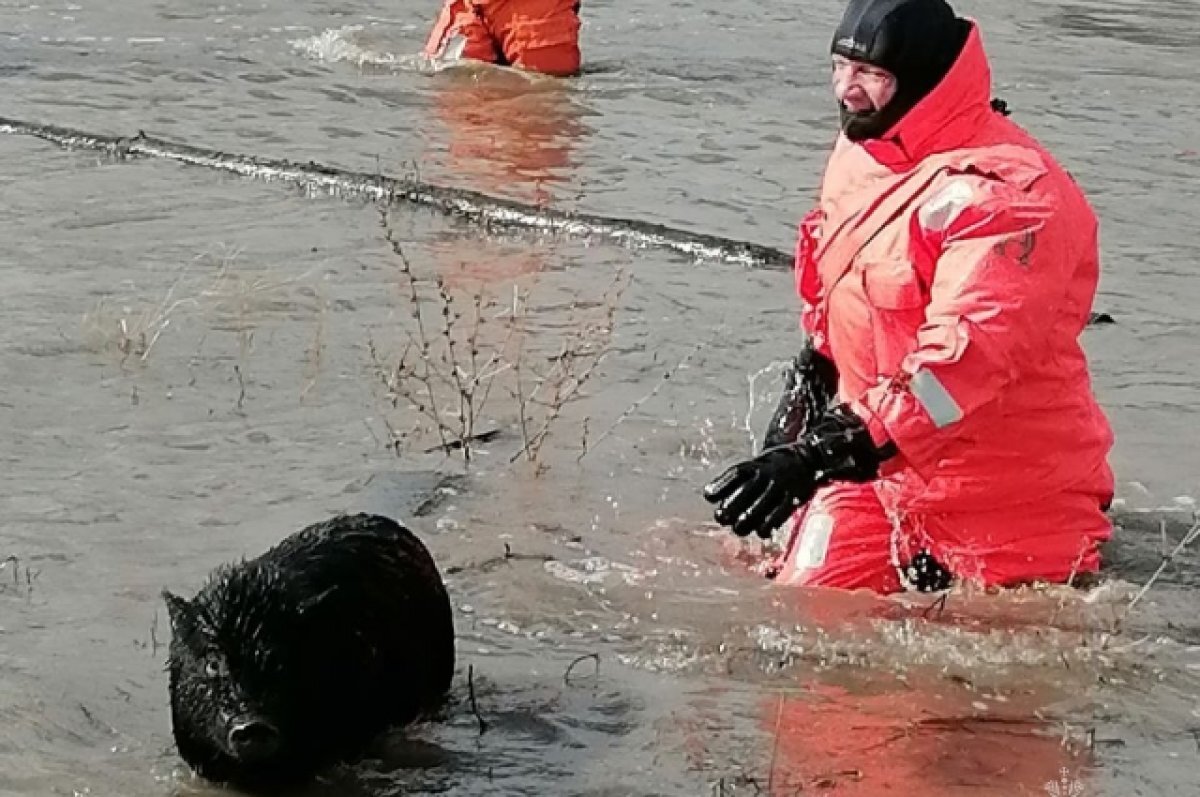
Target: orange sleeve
[808, 284]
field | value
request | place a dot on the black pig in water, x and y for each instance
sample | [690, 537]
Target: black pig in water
[298, 658]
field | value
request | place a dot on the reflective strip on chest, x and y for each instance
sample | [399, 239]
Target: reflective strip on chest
[943, 208]
[942, 408]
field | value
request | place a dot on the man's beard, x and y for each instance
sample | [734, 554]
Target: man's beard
[864, 125]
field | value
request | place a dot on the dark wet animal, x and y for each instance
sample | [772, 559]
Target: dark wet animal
[299, 658]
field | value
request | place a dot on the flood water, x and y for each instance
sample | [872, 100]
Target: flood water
[193, 365]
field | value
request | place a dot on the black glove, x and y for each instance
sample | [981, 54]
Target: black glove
[809, 387]
[760, 494]
[927, 574]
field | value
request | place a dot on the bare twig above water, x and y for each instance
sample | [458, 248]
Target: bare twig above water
[316, 350]
[939, 605]
[1192, 534]
[29, 573]
[134, 333]
[16, 565]
[1091, 741]
[831, 780]
[483, 726]
[632, 408]
[456, 445]
[241, 399]
[566, 379]
[775, 745]
[579, 660]
[154, 643]
[447, 369]
[487, 565]
[96, 723]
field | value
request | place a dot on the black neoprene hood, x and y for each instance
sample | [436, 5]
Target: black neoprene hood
[916, 40]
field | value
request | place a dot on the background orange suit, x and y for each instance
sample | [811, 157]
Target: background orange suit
[538, 35]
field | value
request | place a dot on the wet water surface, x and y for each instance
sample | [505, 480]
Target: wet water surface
[194, 364]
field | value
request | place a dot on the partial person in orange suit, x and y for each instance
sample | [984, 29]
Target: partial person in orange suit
[535, 35]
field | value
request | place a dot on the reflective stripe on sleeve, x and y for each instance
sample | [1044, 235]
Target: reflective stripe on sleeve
[936, 400]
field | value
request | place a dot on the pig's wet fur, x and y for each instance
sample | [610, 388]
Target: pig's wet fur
[299, 658]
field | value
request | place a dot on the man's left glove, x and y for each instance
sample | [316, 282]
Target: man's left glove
[760, 494]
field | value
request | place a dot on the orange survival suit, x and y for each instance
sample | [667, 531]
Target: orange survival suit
[948, 272]
[538, 35]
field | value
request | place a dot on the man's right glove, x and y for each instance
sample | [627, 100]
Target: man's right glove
[760, 494]
[810, 384]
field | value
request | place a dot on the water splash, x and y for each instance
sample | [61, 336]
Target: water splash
[352, 44]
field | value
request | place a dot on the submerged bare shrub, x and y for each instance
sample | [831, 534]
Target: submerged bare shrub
[463, 349]
[132, 329]
[132, 325]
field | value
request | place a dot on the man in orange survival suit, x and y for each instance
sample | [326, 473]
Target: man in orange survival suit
[537, 35]
[940, 423]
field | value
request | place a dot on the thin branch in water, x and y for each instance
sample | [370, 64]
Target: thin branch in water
[454, 445]
[375, 437]
[519, 395]
[1192, 535]
[97, 723]
[775, 746]
[589, 656]
[30, 575]
[241, 399]
[154, 643]
[317, 349]
[632, 408]
[16, 563]
[494, 361]
[423, 343]
[939, 605]
[475, 706]
[465, 414]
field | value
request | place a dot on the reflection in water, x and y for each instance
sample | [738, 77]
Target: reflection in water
[907, 737]
[505, 134]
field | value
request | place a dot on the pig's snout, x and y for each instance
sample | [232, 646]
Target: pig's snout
[253, 739]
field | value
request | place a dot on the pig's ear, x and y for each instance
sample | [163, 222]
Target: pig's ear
[183, 616]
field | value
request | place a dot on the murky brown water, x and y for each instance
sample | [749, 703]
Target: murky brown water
[615, 647]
